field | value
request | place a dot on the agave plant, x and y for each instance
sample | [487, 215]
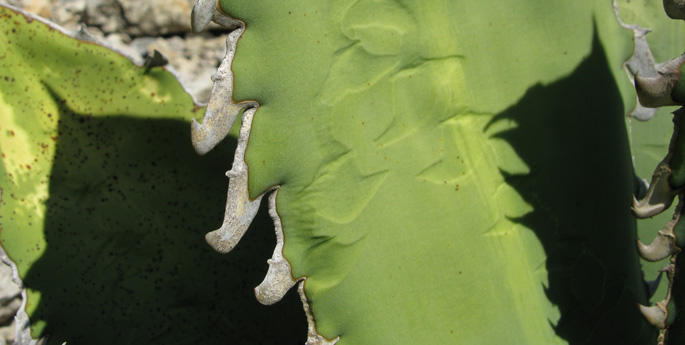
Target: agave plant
[658, 90]
[436, 172]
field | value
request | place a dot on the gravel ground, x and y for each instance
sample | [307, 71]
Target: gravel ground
[137, 28]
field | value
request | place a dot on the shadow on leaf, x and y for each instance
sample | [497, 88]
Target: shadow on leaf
[571, 134]
[126, 262]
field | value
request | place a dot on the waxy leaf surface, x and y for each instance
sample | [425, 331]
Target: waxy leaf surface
[449, 171]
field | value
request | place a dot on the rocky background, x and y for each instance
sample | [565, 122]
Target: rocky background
[137, 28]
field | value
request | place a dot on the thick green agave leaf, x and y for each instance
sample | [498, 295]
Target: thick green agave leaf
[104, 202]
[447, 172]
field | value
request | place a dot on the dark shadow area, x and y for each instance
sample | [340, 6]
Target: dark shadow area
[126, 262]
[572, 136]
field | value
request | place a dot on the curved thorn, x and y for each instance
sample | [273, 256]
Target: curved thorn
[202, 14]
[276, 283]
[240, 210]
[278, 279]
[655, 315]
[206, 11]
[659, 196]
[661, 247]
[654, 92]
[224, 20]
[221, 111]
[664, 244]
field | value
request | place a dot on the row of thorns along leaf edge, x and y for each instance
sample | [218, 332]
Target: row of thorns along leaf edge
[220, 116]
